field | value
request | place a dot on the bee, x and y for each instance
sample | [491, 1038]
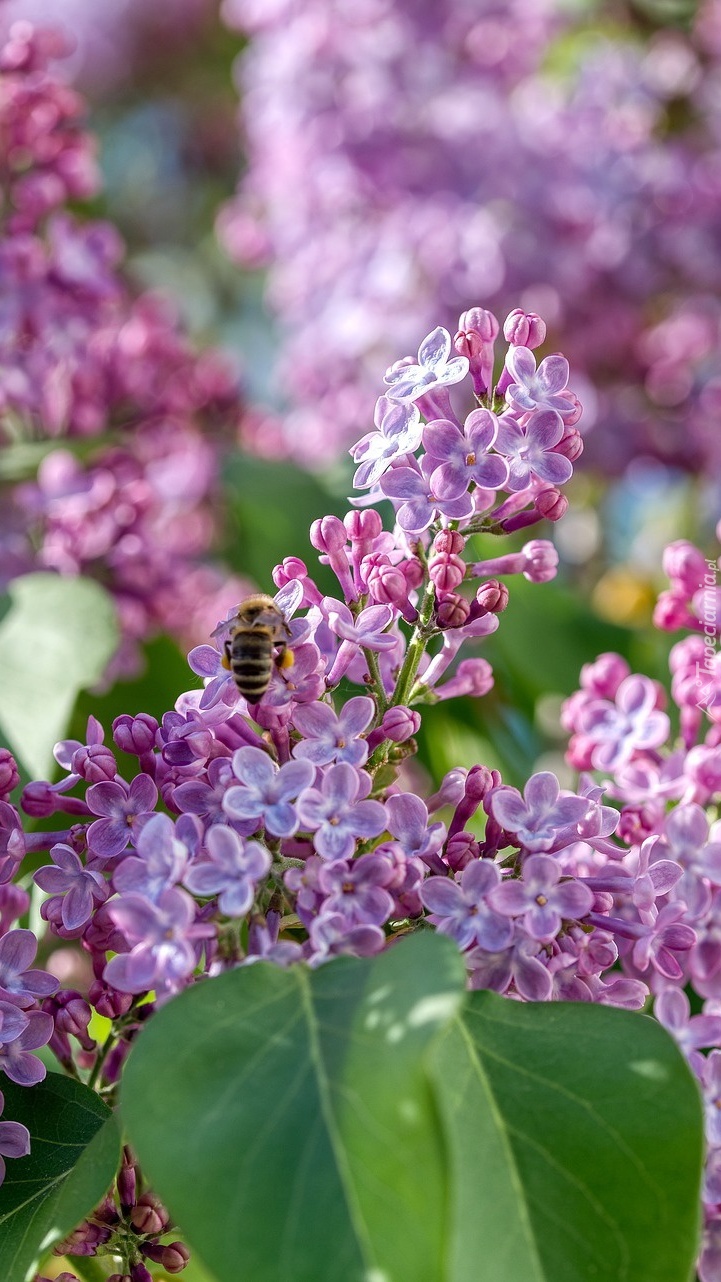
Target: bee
[258, 642]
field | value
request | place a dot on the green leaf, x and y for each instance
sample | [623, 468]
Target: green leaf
[75, 1152]
[576, 1137]
[287, 1119]
[55, 639]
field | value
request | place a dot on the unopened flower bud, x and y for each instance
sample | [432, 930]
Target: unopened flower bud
[149, 1215]
[119, 1277]
[524, 329]
[541, 561]
[172, 1257]
[447, 572]
[449, 541]
[328, 534]
[400, 723]
[476, 326]
[461, 850]
[9, 776]
[72, 1016]
[603, 677]
[139, 1273]
[412, 573]
[686, 565]
[107, 1212]
[452, 611]
[570, 444]
[109, 1001]
[492, 596]
[135, 735]
[363, 526]
[38, 800]
[551, 504]
[95, 763]
[127, 1181]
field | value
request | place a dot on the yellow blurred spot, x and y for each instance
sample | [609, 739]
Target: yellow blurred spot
[286, 659]
[99, 1027]
[623, 597]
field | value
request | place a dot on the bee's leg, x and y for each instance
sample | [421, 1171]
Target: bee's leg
[285, 657]
[225, 661]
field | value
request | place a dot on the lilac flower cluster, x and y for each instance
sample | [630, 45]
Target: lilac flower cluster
[81, 358]
[285, 830]
[668, 791]
[383, 188]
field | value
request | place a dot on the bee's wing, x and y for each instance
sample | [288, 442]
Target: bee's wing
[289, 598]
[224, 624]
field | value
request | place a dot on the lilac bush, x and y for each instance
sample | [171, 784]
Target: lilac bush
[574, 166]
[287, 830]
[111, 421]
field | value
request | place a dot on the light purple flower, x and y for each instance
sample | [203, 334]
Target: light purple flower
[408, 823]
[416, 506]
[692, 1032]
[14, 1140]
[159, 864]
[124, 810]
[463, 910]
[541, 898]
[687, 842]
[660, 940]
[17, 954]
[434, 369]
[356, 889]
[461, 455]
[232, 869]
[13, 1021]
[530, 449]
[266, 791]
[399, 432]
[301, 683]
[533, 388]
[80, 888]
[632, 723]
[337, 814]
[329, 736]
[162, 940]
[16, 1058]
[519, 964]
[331, 936]
[543, 819]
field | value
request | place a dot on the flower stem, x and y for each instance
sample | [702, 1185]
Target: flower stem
[371, 659]
[414, 653]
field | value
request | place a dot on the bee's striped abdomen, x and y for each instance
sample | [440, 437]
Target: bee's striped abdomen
[251, 662]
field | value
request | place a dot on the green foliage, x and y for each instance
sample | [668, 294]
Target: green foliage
[56, 638]
[271, 508]
[75, 1152]
[293, 1127]
[349, 1122]
[576, 1142]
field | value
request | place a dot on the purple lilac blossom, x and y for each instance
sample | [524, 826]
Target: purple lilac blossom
[14, 1140]
[337, 813]
[266, 791]
[231, 871]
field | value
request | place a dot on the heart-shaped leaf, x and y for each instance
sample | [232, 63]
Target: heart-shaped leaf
[74, 1155]
[287, 1118]
[576, 1138]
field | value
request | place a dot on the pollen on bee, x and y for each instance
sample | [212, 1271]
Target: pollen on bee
[286, 659]
[225, 662]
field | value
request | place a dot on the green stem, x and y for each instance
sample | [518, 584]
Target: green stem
[414, 653]
[102, 1056]
[371, 659]
[88, 1268]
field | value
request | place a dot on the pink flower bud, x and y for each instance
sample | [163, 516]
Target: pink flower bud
[685, 565]
[363, 526]
[541, 561]
[476, 326]
[412, 573]
[671, 612]
[452, 611]
[551, 504]
[492, 596]
[139, 1273]
[400, 723]
[449, 542]
[570, 444]
[38, 800]
[524, 329]
[603, 677]
[328, 534]
[446, 571]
